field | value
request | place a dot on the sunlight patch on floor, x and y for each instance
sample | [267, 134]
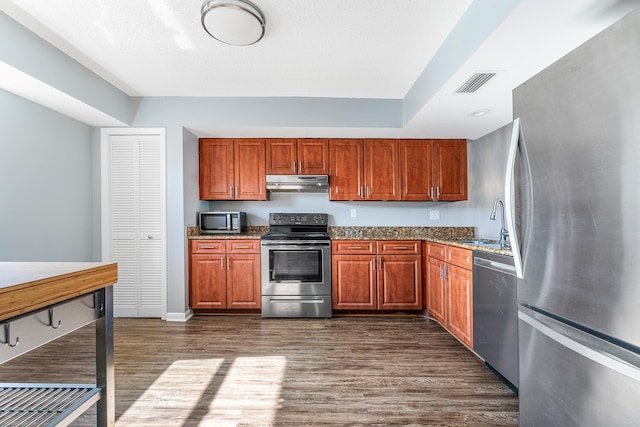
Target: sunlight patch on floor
[213, 392]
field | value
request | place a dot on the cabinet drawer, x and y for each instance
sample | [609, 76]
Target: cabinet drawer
[207, 246]
[461, 257]
[355, 247]
[243, 246]
[436, 250]
[399, 247]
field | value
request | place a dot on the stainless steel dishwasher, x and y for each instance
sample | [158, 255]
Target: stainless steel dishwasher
[495, 314]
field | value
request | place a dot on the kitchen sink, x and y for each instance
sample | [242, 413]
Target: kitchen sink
[484, 242]
[478, 241]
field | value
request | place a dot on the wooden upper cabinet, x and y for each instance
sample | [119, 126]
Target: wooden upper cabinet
[282, 157]
[232, 169]
[249, 167]
[381, 169]
[416, 157]
[346, 163]
[313, 156]
[290, 156]
[450, 169]
[216, 169]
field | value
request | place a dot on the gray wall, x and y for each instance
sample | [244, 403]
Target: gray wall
[487, 158]
[45, 184]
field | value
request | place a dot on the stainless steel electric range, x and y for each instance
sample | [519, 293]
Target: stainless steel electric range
[295, 259]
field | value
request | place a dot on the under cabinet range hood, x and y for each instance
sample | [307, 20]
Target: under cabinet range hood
[298, 183]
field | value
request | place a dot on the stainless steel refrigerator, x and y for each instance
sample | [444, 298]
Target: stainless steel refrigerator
[573, 202]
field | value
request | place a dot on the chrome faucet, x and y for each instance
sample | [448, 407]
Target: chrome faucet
[504, 233]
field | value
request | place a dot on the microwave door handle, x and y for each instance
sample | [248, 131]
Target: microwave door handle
[228, 221]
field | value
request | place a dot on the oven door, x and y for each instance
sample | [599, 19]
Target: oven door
[296, 268]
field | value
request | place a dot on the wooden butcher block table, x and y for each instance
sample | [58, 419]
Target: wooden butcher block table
[40, 302]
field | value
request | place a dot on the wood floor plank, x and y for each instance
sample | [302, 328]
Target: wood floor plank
[248, 371]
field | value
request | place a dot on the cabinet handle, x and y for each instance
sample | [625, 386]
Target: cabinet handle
[293, 166]
[438, 193]
[400, 247]
[231, 191]
[208, 246]
[236, 191]
[362, 195]
[222, 263]
[300, 166]
[243, 247]
[368, 191]
[431, 194]
[441, 275]
[228, 263]
[354, 247]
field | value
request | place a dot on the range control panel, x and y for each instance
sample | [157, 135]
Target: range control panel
[298, 219]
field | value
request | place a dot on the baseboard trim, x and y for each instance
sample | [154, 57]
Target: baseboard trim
[179, 317]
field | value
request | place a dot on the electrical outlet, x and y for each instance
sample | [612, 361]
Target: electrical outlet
[354, 213]
[433, 214]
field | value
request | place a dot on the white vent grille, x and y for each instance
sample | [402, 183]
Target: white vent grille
[475, 82]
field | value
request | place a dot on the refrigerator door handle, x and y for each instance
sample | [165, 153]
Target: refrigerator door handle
[604, 353]
[509, 193]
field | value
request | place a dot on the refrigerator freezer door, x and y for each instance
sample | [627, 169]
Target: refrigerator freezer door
[579, 121]
[554, 360]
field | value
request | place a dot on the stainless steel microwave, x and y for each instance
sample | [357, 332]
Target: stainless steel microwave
[221, 222]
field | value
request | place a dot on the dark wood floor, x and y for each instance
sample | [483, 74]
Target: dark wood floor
[246, 371]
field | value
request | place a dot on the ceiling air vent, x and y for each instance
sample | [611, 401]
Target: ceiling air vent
[475, 82]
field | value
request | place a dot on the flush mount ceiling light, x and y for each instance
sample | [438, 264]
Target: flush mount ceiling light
[234, 22]
[479, 113]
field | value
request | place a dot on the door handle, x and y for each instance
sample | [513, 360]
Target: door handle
[508, 193]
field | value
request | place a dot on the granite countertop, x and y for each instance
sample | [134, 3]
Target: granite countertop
[443, 235]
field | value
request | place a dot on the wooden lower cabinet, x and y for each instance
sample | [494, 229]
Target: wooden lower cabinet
[353, 282]
[460, 303]
[450, 289]
[369, 275]
[224, 274]
[436, 290]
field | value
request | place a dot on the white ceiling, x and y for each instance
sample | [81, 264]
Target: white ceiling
[329, 49]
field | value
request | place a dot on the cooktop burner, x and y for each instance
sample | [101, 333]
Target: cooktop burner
[297, 226]
[296, 236]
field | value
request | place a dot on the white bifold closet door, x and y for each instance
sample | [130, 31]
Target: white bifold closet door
[134, 220]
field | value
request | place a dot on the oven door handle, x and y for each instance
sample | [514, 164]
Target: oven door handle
[296, 246]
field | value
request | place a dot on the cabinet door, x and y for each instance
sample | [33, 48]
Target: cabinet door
[207, 281]
[313, 156]
[450, 169]
[436, 290]
[399, 279]
[281, 155]
[243, 281]
[381, 169]
[353, 282]
[460, 303]
[216, 169]
[416, 157]
[346, 179]
[249, 166]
